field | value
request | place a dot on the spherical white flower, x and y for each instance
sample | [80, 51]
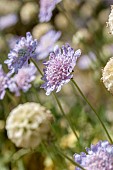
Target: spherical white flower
[110, 21]
[28, 124]
[107, 75]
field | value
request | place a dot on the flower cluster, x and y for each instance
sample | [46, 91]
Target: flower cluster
[98, 157]
[59, 68]
[46, 8]
[28, 124]
[107, 75]
[3, 82]
[46, 43]
[22, 52]
[110, 21]
[22, 80]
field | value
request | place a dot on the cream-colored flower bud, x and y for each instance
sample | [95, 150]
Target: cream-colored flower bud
[107, 75]
[41, 29]
[81, 35]
[110, 21]
[29, 12]
[28, 124]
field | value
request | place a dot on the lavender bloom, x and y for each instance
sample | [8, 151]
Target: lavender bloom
[22, 52]
[46, 44]
[8, 20]
[98, 157]
[22, 80]
[59, 68]
[3, 83]
[46, 8]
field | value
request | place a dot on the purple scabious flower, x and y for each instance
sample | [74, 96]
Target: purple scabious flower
[46, 8]
[46, 44]
[22, 80]
[59, 68]
[22, 52]
[3, 83]
[98, 157]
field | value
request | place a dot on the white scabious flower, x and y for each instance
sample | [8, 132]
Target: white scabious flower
[110, 21]
[28, 124]
[107, 75]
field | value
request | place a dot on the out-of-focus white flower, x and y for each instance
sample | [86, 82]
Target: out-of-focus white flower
[28, 124]
[110, 21]
[107, 75]
[8, 21]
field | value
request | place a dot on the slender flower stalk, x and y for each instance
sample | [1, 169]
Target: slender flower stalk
[66, 117]
[33, 61]
[11, 97]
[106, 131]
[65, 156]
[58, 102]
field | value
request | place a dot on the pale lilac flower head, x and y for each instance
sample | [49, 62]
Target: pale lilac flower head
[3, 83]
[22, 52]
[46, 44]
[98, 157]
[59, 68]
[21, 81]
[8, 21]
[46, 8]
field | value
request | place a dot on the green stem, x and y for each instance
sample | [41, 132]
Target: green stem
[106, 131]
[11, 97]
[65, 156]
[63, 113]
[20, 153]
[20, 164]
[36, 65]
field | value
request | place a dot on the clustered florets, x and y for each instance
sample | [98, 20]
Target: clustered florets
[22, 52]
[28, 124]
[22, 80]
[59, 68]
[107, 75]
[98, 157]
[110, 21]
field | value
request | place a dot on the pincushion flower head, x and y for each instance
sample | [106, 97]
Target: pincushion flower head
[46, 8]
[107, 75]
[46, 43]
[59, 68]
[110, 21]
[22, 80]
[28, 124]
[98, 157]
[22, 52]
[3, 82]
